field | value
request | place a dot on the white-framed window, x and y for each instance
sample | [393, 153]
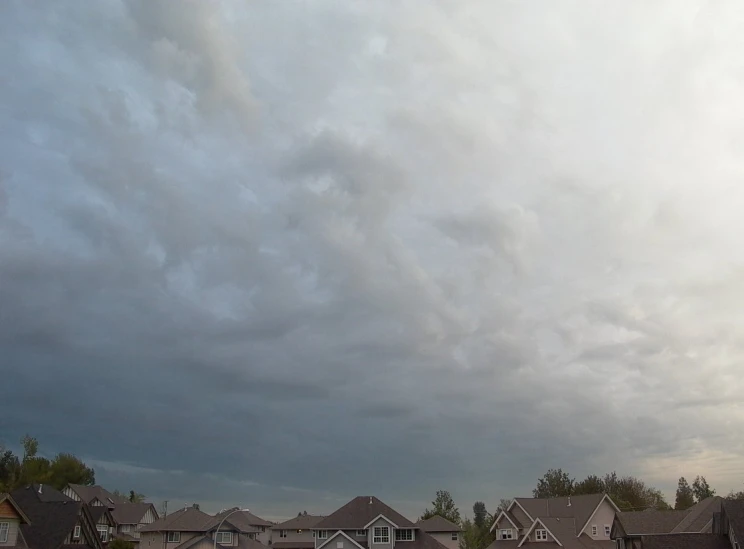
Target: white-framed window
[174, 537]
[361, 533]
[126, 527]
[607, 530]
[102, 532]
[322, 534]
[594, 529]
[224, 537]
[76, 532]
[455, 536]
[541, 535]
[404, 534]
[506, 533]
[4, 529]
[282, 533]
[381, 534]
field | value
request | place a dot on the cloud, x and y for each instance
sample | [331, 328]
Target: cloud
[279, 256]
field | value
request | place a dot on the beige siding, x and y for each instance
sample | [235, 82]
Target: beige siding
[604, 516]
[504, 524]
[445, 538]
[13, 526]
[292, 536]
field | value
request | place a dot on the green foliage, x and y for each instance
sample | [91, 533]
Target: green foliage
[590, 485]
[479, 514]
[444, 506]
[555, 483]
[702, 489]
[503, 506]
[475, 533]
[30, 447]
[68, 469]
[136, 497]
[120, 544]
[685, 497]
[735, 495]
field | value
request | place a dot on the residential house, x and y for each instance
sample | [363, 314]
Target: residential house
[93, 495]
[583, 521]
[105, 525]
[253, 526]
[11, 519]
[191, 528]
[295, 533]
[729, 523]
[55, 520]
[366, 522]
[131, 517]
[445, 532]
[631, 527]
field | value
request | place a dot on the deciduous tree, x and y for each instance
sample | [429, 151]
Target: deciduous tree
[444, 506]
[685, 497]
[555, 483]
[702, 489]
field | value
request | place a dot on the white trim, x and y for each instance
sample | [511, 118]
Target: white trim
[527, 534]
[76, 532]
[515, 502]
[604, 497]
[388, 535]
[223, 534]
[395, 534]
[495, 522]
[341, 532]
[510, 530]
[176, 533]
[378, 517]
[5, 528]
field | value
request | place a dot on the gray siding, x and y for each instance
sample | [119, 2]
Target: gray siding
[292, 536]
[521, 516]
[266, 536]
[380, 523]
[445, 538]
[13, 526]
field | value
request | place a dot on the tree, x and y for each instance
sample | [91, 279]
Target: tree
[555, 483]
[503, 506]
[119, 543]
[136, 497]
[590, 485]
[10, 470]
[685, 496]
[67, 469]
[735, 495]
[480, 514]
[631, 494]
[444, 506]
[30, 447]
[702, 489]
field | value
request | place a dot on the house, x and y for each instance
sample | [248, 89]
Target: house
[254, 527]
[366, 522]
[631, 527]
[55, 520]
[93, 495]
[583, 521]
[445, 532]
[12, 518]
[131, 517]
[191, 528]
[105, 525]
[295, 533]
[729, 523]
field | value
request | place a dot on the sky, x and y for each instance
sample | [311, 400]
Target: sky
[281, 254]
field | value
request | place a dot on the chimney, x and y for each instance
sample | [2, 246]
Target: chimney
[569, 501]
[40, 485]
[370, 500]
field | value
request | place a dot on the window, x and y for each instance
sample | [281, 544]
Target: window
[4, 529]
[541, 535]
[174, 537]
[76, 532]
[455, 536]
[125, 527]
[339, 545]
[224, 537]
[607, 530]
[405, 534]
[282, 533]
[322, 534]
[506, 534]
[102, 532]
[381, 534]
[594, 529]
[361, 533]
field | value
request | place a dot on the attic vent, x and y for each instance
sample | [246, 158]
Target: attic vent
[370, 500]
[569, 501]
[40, 485]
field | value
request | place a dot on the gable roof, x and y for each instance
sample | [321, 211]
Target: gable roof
[4, 497]
[132, 513]
[302, 522]
[246, 517]
[359, 512]
[650, 521]
[511, 518]
[734, 509]
[189, 519]
[438, 524]
[340, 533]
[685, 541]
[88, 493]
[699, 517]
[577, 507]
[546, 524]
[242, 520]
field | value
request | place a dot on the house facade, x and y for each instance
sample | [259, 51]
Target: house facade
[251, 526]
[445, 532]
[583, 521]
[295, 533]
[11, 519]
[130, 518]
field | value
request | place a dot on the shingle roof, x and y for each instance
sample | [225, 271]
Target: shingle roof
[685, 541]
[132, 513]
[580, 508]
[242, 520]
[735, 513]
[97, 512]
[293, 544]
[651, 521]
[89, 493]
[303, 522]
[189, 519]
[700, 516]
[438, 524]
[359, 512]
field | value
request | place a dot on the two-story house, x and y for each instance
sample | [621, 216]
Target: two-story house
[295, 533]
[94, 496]
[55, 521]
[252, 526]
[583, 521]
[445, 532]
[131, 517]
[11, 519]
[367, 523]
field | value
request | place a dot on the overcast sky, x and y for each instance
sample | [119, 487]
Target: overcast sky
[279, 254]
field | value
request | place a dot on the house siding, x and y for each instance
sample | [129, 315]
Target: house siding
[13, 527]
[306, 536]
[521, 516]
[370, 535]
[156, 540]
[504, 524]
[445, 538]
[605, 515]
[70, 493]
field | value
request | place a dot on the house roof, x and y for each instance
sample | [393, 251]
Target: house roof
[132, 513]
[734, 509]
[246, 517]
[242, 520]
[685, 541]
[293, 544]
[189, 519]
[89, 493]
[699, 517]
[15, 506]
[651, 521]
[577, 507]
[45, 493]
[303, 522]
[359, 512]
[438, 524]
[97, 512]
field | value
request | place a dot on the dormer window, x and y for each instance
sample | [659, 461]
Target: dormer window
[224, 538]
[361, 533]
[506, 533]
[381, 534]
[404, 534]
[594, 529]
[322, 534]
[541, 535]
